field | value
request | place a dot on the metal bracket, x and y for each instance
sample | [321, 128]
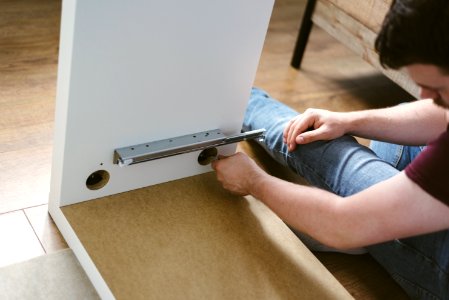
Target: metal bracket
[178, 145]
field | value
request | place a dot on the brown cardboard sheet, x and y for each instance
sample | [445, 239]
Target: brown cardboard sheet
[190, 239]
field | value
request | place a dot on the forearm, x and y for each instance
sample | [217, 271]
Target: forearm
[415, 123]
[310, 210]
[394, 208]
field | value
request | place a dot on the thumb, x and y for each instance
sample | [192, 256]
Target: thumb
[214, 162]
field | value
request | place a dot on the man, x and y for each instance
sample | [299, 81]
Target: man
[391, 199]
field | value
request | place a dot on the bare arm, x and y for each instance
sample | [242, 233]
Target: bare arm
[415, 123]
[392, 209]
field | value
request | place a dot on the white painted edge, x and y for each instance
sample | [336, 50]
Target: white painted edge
[61, 109]
[80, 252]
[67, 28]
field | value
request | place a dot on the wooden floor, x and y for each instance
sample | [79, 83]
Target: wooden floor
[331, 77]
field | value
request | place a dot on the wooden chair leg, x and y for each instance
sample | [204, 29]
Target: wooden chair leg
[303, 35]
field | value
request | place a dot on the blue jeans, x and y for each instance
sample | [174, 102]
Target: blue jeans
[342, 166]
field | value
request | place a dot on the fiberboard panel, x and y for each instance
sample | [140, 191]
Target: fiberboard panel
[193, 240]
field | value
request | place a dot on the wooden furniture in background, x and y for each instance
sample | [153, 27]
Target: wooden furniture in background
[355, 24]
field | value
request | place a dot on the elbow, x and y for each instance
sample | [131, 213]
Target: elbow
[340, 243]
[342, 233]
[343, 244]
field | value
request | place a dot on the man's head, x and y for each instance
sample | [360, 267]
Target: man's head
[415, 34]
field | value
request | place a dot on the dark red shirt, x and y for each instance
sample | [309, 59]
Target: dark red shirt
[430, 169]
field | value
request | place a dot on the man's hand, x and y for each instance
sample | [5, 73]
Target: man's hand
[314, 125]
[237, 173]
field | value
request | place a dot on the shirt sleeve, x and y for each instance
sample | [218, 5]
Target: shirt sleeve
[430, 169]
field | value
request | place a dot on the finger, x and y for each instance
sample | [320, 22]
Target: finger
[298, 128]
[287, 129]
[214, 163]
[291, 132]
[311, 136]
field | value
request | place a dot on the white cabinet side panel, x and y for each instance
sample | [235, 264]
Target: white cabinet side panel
[133, 72]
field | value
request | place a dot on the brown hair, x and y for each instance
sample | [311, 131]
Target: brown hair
[415, 31]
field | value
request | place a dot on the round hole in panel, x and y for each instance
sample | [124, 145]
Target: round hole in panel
[207, 156]
[97, 180]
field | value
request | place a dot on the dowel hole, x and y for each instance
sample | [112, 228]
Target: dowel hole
[207, 156]
[97, 180]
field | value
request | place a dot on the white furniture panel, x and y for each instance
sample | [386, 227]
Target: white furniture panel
[132, 72]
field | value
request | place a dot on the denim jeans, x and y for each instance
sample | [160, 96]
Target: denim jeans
[342, 166]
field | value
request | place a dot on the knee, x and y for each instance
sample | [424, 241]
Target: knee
[257, 95]
[257, 92]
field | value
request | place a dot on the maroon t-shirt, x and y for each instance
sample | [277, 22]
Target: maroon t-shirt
[430, 169]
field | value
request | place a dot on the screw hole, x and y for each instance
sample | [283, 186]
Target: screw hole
[207, 156]
[97, 180]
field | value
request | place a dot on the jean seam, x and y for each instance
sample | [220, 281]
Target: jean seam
[399, 154]
[421, 291]
[309, 170]
[425, 258]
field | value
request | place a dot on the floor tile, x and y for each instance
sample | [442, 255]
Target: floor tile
[17, 239]
[45, 229]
